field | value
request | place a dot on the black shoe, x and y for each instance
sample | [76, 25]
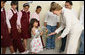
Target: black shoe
[44, 47]
[48, 48]
[52, 48]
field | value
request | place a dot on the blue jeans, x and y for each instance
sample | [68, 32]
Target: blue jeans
[50, 41]
[82, 44]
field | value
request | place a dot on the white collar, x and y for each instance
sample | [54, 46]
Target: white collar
[2, 9]
[36, 13]
[15, 11]
[27, 11]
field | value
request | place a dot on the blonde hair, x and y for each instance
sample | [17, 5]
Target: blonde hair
[56, 6]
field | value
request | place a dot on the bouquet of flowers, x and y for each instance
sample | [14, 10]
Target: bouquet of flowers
[45, 31]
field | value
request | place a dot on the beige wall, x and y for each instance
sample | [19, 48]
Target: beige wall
[45, 7]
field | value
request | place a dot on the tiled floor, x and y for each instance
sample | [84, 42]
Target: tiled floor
[43, 52]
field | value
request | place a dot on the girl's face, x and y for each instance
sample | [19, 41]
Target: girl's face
[57, 12]
[26, 8]
[38, 10]
[35, 24]
[68, 6]
[2, 4]
[14, 6]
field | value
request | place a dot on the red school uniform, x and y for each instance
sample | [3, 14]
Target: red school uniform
[17, 44]
[25, 24]
[6, 41]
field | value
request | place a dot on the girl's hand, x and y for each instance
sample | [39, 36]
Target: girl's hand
[46, 30]
[51, 33]
[41, 33]
[9, 30]
[19, 30]
[58, 38]
[1, 37]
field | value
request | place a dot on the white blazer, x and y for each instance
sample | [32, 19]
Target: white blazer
[68, 21]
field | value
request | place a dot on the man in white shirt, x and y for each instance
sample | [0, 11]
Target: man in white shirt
[82, 35]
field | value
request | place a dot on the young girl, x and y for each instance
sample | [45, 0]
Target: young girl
[12, 16]
[23, 23]
[5, 30]
[37, 16]
[36, 44]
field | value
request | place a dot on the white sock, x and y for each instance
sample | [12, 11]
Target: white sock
[14, 53]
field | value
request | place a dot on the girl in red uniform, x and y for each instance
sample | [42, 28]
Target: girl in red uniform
[5, 30]
[12, 16]
[23, 23]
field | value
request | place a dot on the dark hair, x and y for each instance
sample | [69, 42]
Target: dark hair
[3, 1]
[26, 4]
[31, 24]
[38, 7]
[70, 2]
[14, 3]
[52, 3]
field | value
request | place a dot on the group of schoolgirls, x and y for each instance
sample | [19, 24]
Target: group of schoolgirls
[16, 26]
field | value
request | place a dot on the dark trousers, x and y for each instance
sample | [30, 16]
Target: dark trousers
[63, 43]
[17, 44]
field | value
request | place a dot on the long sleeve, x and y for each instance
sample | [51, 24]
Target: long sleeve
[9, 14]
[62, 26]
[67, 17]
[59, 29]
[19, 18]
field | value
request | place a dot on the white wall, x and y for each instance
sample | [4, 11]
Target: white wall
[45, 7]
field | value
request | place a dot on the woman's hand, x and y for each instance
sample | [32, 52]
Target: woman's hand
[58, 38]
[51, 33]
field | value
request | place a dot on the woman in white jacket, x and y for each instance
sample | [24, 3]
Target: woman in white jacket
[72, 29]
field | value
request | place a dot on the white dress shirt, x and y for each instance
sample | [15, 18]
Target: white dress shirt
[68, 21]
[51, 19]
[35, 15]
